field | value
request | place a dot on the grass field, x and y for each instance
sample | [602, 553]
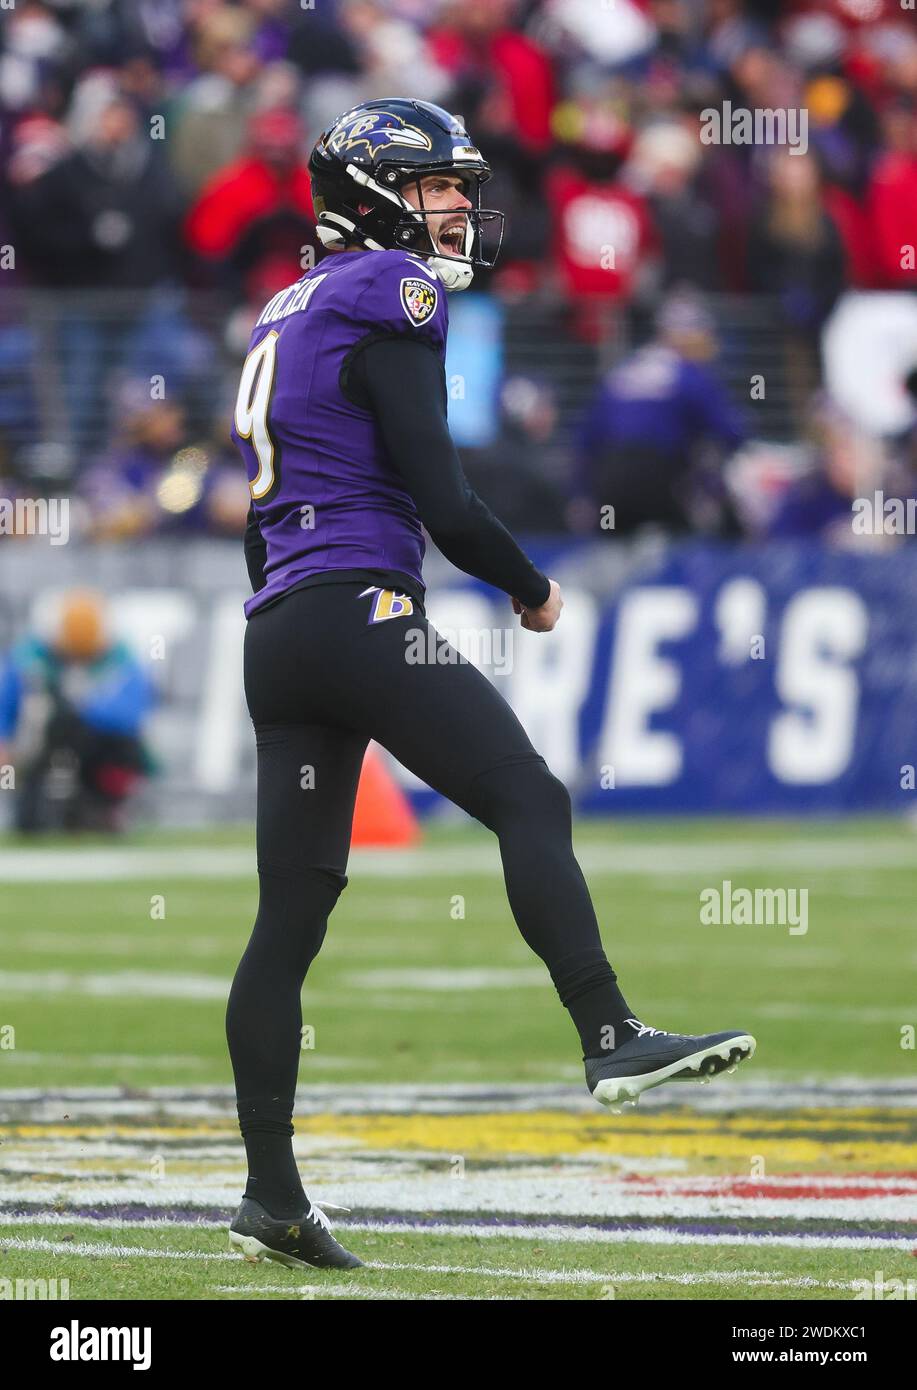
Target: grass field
[442, 1100]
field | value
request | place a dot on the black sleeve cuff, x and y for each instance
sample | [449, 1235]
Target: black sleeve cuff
[537, 592]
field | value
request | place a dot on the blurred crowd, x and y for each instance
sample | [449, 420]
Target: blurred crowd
[152, 151]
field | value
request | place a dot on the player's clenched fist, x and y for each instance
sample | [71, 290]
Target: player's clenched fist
[542, 619]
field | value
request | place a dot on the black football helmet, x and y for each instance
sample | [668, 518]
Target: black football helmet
[367, 156]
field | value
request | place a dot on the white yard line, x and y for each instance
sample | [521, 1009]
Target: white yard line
[448, 979]
[22, 1057]
[580, 1235]
[758, 1090]
[416, 989]
[533, 1275]
[92, 1249]
[663, 859]
[589, 1235]
[497, 1193]
[361, 1292]
[591, 1276]
[116, 984]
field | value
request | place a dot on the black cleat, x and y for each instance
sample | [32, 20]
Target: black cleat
[304, 1241]
[652, 1056]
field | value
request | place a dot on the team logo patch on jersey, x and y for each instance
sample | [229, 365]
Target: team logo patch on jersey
[418, 300]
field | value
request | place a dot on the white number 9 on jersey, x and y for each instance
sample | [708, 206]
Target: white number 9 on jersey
[252, 405]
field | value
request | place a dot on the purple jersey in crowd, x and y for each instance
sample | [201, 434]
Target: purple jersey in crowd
[325, 493]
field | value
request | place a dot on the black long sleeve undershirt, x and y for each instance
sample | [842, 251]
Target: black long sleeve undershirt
[255, 551]
[416, 436]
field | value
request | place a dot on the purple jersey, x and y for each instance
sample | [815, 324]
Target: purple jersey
[326, 495]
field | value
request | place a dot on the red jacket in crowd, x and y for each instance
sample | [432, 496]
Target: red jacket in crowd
[892, 208]
[602, 235]
[246, 192]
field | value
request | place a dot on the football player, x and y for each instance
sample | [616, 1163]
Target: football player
[341, 420]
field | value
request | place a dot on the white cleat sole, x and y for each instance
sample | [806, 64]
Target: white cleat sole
[618, 1091]
[255, 1250]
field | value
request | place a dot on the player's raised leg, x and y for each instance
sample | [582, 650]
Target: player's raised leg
[400, 682]
[488, 766]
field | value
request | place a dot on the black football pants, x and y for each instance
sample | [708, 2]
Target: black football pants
[321, 680]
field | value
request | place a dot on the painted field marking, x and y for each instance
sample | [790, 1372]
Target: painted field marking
[115, 984]
[118, 863]
[364, 1293]
[760, 1088]
[502, 1196]
[590, 1276]
[95, 1249]
[582, 1235]
[591, 1235]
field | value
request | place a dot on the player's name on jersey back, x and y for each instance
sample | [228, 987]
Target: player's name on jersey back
[291, 300]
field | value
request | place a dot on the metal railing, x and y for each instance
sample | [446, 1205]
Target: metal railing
[73, 362]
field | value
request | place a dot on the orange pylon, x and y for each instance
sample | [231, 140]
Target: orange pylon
[382, 815]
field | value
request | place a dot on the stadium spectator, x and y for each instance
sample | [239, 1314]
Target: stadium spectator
[639, 443]
[259, 208]
[604, 243]
[601, 37]
[665, 166]
[843, 128]
[845, 464]
[159, 481]
[515, 475]
[270, 38]
[19, 419]
[35, 49]
[103, 214]
[211, 113]
[892, 200]
[321, 48]
[393, 56]
[795, 253]
[72, 708]
[477, 44]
